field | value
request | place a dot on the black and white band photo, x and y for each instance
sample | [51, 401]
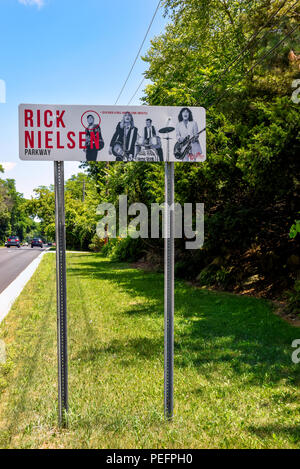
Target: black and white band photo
[144, 142]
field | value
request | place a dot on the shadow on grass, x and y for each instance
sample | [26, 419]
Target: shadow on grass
[211, 328]
[271, 431]
[132, 350]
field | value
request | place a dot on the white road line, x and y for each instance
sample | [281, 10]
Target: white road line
[11, 293]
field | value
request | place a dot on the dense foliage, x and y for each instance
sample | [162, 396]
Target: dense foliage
[81, 201]
[250, 180]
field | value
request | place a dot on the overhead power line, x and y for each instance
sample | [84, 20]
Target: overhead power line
[258, 62]
[135, 93]
[138, 54]
[249, 45]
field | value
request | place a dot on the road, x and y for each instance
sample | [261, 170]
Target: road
[13, 261]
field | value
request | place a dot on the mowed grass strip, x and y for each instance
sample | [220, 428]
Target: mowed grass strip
[235, 383]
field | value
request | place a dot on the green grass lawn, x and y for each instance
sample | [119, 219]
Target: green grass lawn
[235, 383]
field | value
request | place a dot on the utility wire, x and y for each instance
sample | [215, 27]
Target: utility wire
[138, 54]
[249, 45]
[256, 63]
[134, 95]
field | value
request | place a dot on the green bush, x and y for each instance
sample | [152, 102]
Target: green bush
[215, 275]
[207, 276]
[123, 249]
[295, 229]
[224, 277]
[127, 249]
[108, 248]
[96, 244]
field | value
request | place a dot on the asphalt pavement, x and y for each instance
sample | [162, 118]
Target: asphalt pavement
[13, 261]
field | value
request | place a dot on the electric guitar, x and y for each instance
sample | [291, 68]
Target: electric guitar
[181, 149]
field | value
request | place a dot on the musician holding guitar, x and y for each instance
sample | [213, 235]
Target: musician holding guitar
[188, 146]
[123, 142]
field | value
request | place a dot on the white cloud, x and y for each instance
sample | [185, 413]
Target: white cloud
[7, 165]
[38, 3]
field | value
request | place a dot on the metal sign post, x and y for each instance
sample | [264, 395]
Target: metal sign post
[61, 293]
[169, 288]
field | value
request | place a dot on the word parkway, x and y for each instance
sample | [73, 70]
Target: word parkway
[39, 152]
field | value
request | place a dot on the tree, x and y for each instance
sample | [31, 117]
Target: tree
[13, 217]
[250, 181]
[80, 214]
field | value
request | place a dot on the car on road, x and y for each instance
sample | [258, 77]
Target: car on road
[13, 241]
[37, 242]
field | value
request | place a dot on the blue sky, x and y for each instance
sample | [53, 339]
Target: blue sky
[66, 52]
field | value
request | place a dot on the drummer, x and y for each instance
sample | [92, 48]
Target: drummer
[149, 132]
[150, 137]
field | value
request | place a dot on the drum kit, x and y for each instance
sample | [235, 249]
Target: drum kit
[148, 151]
[145, 151]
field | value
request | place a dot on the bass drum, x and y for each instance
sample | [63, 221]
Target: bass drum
[147, 154]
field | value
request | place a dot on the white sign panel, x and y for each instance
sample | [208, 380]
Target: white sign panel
[111, 133]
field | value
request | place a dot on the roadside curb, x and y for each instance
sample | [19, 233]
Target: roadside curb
[11, 293]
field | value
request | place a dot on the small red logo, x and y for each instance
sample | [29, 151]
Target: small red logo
[85, 118]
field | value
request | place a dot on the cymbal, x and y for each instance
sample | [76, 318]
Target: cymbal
[166, 130]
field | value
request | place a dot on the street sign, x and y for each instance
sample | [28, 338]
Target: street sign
[111, 133]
